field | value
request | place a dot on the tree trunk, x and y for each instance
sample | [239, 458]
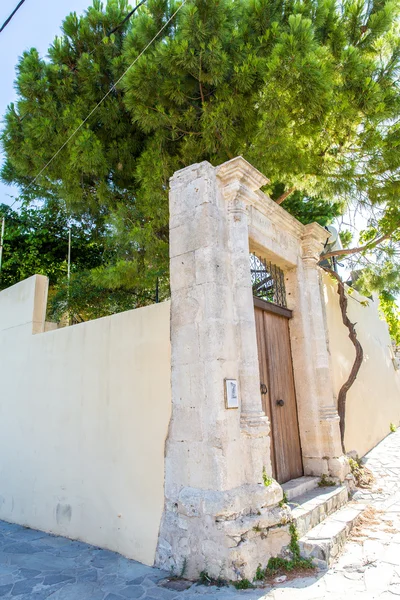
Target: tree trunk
[343, 302]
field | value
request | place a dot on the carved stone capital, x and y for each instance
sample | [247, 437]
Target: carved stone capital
[237, 197]
[312, 242]
[239, 180]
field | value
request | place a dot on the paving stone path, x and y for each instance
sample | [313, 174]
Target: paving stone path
[37, 566]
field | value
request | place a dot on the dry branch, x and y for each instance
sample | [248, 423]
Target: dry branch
[285, 195]
[368, 246]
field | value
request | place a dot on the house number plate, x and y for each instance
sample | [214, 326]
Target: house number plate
[231, 393]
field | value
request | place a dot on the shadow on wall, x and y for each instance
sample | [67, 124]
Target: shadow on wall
[373, 402]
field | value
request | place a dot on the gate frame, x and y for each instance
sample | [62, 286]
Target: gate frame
[219, 515]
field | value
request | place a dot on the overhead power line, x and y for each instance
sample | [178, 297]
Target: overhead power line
[6, 22]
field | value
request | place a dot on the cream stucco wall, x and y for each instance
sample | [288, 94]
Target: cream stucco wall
[373, 402]
[84, 414]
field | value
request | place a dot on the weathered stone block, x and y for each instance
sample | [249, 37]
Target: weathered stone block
[182, 271]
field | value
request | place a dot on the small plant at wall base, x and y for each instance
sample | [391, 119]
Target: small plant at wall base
[325, 482]
[363, 476]
[284, 500]
[260, 573]
[393, 428]
[206, 579]
[277, 564]
[243, 584]
[266, 479]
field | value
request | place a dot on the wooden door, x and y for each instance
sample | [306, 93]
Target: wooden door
[278, 391]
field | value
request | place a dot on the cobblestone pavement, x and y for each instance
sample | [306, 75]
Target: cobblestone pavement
[37, 566]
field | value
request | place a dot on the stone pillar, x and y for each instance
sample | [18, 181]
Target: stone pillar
[318, 416]
[214, 491]
[238, 181]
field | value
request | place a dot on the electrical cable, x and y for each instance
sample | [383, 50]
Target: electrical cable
[128, 16]
[113, 87]
[6, 22]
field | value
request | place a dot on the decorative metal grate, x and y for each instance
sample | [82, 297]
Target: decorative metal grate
[268, 281]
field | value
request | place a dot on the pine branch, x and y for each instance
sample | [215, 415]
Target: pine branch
[200, 84]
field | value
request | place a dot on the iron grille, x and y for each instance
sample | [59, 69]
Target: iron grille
[268, 281]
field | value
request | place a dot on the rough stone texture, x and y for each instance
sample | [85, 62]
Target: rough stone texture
[312, 508]
[218, 514]
[324, 542]
[215, 457]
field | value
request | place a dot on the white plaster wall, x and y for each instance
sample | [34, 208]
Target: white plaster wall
[84, 414]
[373, 402]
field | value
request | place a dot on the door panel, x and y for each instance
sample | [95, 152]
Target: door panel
[279, 403]
[264, 377]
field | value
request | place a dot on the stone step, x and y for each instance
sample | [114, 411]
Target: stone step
[298, 487]
[324, 542]
[314, 506]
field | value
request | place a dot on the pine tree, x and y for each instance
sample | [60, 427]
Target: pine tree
[306, 90]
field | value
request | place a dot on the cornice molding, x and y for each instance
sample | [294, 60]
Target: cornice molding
[240, 170]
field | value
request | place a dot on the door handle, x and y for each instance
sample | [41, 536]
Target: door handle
[280, 402]
[263, 388]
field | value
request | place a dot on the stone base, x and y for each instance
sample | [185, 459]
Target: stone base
[227, 534]
[336, 468]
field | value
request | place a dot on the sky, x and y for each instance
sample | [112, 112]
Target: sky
[35, 25]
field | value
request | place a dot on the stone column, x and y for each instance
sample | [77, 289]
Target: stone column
[214, 455]
[318, 417]
[238, 180]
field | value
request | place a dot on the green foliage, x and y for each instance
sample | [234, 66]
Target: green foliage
[277, 564]
[243, 584]
[266, 479]
[84, 300]
[36, 241]
[325, 482]
[284, 500]
[393, 428]
[309, 209]
[260, 573]
[206, 579]
[390, 311]
[363, 476]
[346, 238]
[306, 91]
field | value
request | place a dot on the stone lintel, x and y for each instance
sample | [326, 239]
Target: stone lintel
[267, 207]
